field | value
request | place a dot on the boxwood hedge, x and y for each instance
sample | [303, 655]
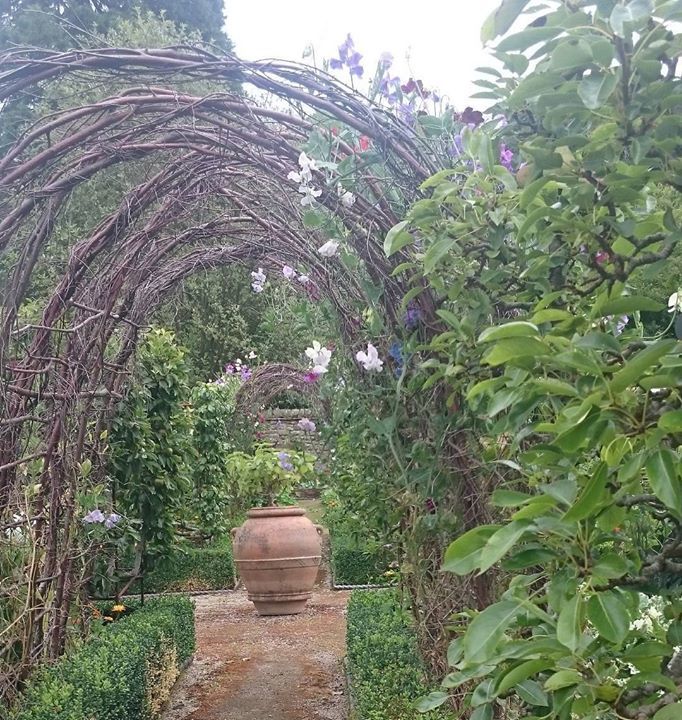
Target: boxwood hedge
[354, 565]
[124, 671]
[207, 568]
[385, 672]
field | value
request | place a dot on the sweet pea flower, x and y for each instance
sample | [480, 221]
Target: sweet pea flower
[256, 287]
[111, 520]
[674, 302]
[94, 516]
[329, 249]
[303, 279]
[370, 360]
[252, 355]
[284, 461]
[320, 357]
[307, 425]
[347, 198]
[310, 194]
[288, 272]
[258, 276]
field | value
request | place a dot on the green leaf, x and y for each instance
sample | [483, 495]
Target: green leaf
[661, 469]
[609, 615]
[671, 421]
[509, 498]
[501, 542]
[463, 555]
[531, 692]
[396, 239]
[513, 348]
[610, 566]
[670, 712]
[520, 673]
[595, 89]
[518, 328]
[589, 499]
[634, 369]
[437, 252]
[487, 629]
[501, 19]
[634, 11]
[562, 679]
[627, 304]
[570, 623]
[482, 712]
[431, 701]
[311, 219]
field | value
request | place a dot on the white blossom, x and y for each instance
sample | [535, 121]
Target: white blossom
[370, 360]
[674, 302]
[329, 249]
[309, 194]
[320, 357]
[303, 279]
[288, 272]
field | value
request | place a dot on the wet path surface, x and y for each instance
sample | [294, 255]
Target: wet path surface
[249, 667]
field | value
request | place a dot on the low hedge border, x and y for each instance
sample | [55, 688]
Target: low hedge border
[385, 673]
[124, 671]
[353, 565]
[207, 568]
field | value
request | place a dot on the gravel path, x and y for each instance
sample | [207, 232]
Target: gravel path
[249, 667]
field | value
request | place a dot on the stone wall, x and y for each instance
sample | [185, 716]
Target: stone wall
[280, 427]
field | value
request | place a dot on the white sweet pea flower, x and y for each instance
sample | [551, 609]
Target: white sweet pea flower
[252, 355]
[329, 249]
[257, 287]
[258, 276]
[303, 279]
[674, 302]
[307, 165]
[370, 359]
[309, 194]
[347, 198]
[319, 356]
[296, 177]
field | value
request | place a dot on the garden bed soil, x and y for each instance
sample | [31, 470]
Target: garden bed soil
[249, 667]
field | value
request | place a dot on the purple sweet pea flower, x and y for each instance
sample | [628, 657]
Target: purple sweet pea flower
[412, 317]
[246, 374]
[94, 516]
[111, 520]
[506, 157]
[307, 425]
[288, 272]
[229, 369]
[284, 461]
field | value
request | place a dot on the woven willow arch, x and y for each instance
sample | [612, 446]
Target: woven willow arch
[218, 195]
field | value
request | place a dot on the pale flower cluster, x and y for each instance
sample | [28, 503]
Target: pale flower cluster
[304, 178]
[320, 357]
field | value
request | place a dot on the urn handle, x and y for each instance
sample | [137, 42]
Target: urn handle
[233, 532]
[320, 529]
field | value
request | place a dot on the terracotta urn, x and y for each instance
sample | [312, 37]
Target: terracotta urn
[277, 552]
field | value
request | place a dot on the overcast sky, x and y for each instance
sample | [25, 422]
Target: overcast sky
[437, 41]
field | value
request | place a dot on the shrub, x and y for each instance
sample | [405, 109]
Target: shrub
[206, 568]
[125, 670]
[386, 674]
[354, 565]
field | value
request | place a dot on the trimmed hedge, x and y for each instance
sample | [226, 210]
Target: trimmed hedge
[208, 568]
[386, 674]
[353, 565]
[124, 671]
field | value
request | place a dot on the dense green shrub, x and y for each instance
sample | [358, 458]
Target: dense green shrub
[386, 674]
[124, 671]
[207, 568]
[355, 565]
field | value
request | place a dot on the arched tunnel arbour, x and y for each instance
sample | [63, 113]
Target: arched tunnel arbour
[220, 194]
